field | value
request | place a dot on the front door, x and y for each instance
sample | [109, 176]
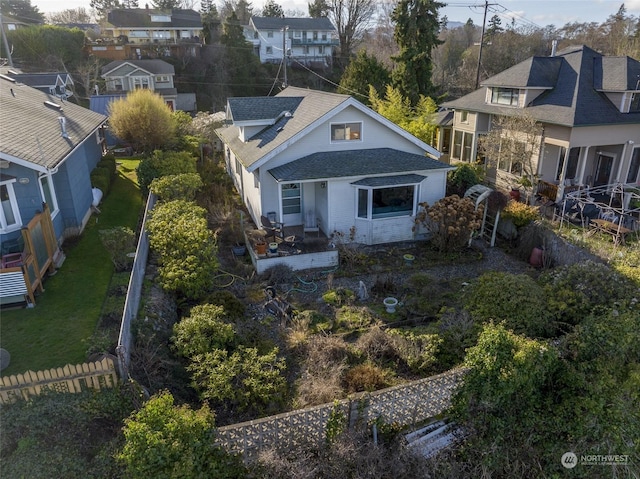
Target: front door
[292, 204]
[603, 170]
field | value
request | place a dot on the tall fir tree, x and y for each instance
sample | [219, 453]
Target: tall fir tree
[416, 34]
[272, 9]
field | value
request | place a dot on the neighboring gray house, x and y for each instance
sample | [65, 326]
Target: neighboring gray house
[589, 108]
[323, 160]
[310, 41]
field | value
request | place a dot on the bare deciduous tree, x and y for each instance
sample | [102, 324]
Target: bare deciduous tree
[512, 146]
[351, 18]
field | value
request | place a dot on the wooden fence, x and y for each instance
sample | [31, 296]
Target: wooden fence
[70, 378]
[405, 405]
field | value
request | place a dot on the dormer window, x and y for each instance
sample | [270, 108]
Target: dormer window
[505, 96]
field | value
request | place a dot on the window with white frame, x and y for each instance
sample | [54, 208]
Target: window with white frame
[634, 107]
[464, 116]
[9, 214]
[324, 36]
[511, 156]
[572, 164]
[291, 199]
[505, 96]
[320, 49]
[305, 49]
[269, 34]
[117, 84]
[634, 167]
[238, 166]
[161, 34]
[462, 144]
[160, 18]
[140, 83]
[346, 131]
[374, 203]
[269, 50]
[162, 78]
[297, 34]
[48, 194]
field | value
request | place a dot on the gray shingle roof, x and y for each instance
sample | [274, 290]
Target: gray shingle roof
[339, 164]
[30, 129]
[261, 108]
[573, 99]
[295, 23]
[156, 67]
[141, 18]
[42, 79]
[538, 72]
[616, 74]
[312, 105]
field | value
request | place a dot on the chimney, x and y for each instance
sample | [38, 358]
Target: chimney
[63, 123]
[554, 47]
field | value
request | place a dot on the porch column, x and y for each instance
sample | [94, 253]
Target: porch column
[563, 174]
[583, 164]
[623, 159]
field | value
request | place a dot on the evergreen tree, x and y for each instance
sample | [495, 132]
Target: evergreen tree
[244, 11]
[495, 26]
[416, 33]
[21, 10]
[361, 73]
[272, 9]
[102, 7]
[318, 9]
[210, 20]
[166, 4]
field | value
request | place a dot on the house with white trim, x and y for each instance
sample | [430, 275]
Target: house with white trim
[48, 148]
[588, 105]
[309, 41]
[324, 160]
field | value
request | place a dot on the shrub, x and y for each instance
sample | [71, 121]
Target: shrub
[353, 317]
[203, 330]
[338, 296]
[162, 163]
[573, 291]
[163, 440]
[450, 220]
[364, 377]
[109, 162]
[233, 308]
[119, 242]
[177, 187]
[243, 379]
[178, 231]
[418, 350]
[520, 213]
[377, 345]
[515, 299]
[463, 178]
[320, 386]
[101, 179]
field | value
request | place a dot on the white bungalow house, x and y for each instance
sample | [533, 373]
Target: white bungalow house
[588, 106]
[327, 161]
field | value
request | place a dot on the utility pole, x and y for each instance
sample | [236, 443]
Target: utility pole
[4, 42]
[284, 53]
[484, 21]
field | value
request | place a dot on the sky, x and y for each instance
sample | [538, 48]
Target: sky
[533, 13]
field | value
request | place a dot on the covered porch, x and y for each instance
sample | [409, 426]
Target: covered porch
[565, 169]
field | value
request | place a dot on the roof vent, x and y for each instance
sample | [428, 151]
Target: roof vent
[63, 123]
[288, 114]
[8, 78]
[53, 105]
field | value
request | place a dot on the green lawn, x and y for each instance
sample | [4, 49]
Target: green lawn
[54, 333]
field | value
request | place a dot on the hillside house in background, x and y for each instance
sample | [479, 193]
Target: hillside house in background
[309, 41]
[588, 105]
[156, 75]
[322, 160]
[140, 33]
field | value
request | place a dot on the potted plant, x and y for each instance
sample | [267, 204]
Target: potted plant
[238, 246]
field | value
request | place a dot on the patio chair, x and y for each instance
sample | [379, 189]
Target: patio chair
[274, 228]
